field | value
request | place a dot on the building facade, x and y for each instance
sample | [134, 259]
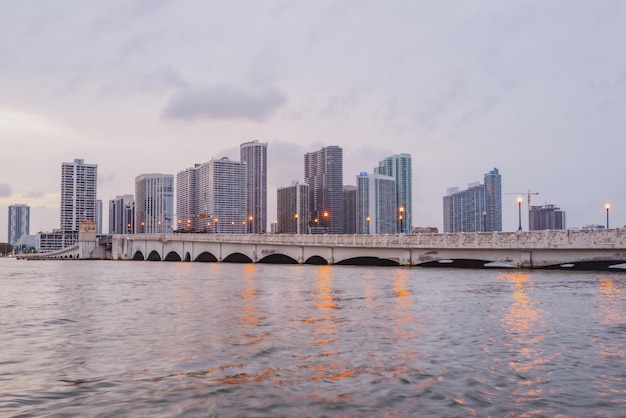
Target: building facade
[476, 209]
[323, 172]
[189, 215]
[292, 209]
[376, 211]
[546, 217]
[399, 166]
[223, 197]
[154, 203]
[349, 209]
[122, 214]
[254, 154]
[79, 185]
[19, 223]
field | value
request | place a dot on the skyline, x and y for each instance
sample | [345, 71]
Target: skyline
[535, 89]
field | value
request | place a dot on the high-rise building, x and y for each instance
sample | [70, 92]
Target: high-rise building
[292, 209]
[376, 204]
[349, 209]
[223, 196]
[399, 167]
[479, 208]
[99, 215]
[154, 203]
[79, 185]
[546, 217]
[19, 222]
[122, 214]
[188, 212]
[323, 172]
[254, 154]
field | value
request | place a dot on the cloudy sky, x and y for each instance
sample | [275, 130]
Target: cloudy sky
[534, 88]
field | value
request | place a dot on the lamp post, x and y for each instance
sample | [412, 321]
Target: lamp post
[401, 218]
[297, 226]
[250, 219]
[607, 207]
[519, 206]
[326, 222]
[484, 221]
[368, 224]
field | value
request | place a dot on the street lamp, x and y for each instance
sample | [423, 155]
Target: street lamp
[250, 219]
[484, 221]
[297, 226]
[326, 222]
[401, 218]
[368, 224]
[607, 207]
[519, 206]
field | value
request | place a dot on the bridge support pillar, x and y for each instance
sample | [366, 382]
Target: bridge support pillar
[526, 259]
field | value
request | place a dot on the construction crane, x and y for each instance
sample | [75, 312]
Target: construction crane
[528, 193]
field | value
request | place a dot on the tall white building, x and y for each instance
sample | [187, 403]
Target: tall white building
[154, 203]
[254, 154]
[376, 204]
[398, 166]
[79, 184]
[222, 196]
[19, 222]
[190, 216]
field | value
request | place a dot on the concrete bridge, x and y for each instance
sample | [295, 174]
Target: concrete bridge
[593, 249]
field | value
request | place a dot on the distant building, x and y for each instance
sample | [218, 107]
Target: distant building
[19, 222]
[223, 196]
[99, 215]
[546, 217]
[79, 186]
[254, 154]
[190, 216]
[122, 214]
[479, 208]
[323, 172]
[376, 205]
[399, 167]
[292, 209]
[154, 203]
[349, 209]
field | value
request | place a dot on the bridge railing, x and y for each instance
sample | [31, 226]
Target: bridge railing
[565, 239]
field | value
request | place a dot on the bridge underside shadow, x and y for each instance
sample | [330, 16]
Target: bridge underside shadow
[465, 263]
[588, 265]
[368, 261]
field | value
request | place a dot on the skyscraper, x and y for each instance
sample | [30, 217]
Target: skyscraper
[223, 196]
[292, 208]
[154, 203]
[323, 172]
[479, 208]
[188, 212]
[79, 184]
[349, 209]
[399, 167]
[546, 217]
[254, 154]
[122, 214]
[376, 204]
[19, 222]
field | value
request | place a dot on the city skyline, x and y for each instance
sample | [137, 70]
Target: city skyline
[536, 89]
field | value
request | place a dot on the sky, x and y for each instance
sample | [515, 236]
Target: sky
[535, 88]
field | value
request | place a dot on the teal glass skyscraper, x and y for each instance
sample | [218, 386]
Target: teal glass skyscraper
[399, 166]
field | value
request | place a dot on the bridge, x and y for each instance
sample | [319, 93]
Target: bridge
[592, 249]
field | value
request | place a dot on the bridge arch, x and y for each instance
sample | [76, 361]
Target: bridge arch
[154, 256]
[237, 258]
[368, 261]
[138, 256]
[278, 259]
[206, 257]
[172, 256]
[187, 256]
[316, 260]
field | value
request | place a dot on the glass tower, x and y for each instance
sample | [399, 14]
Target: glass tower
[399, 166]
[323, 172]
[254, 154]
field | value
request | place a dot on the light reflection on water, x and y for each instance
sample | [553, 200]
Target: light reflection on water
[192, 339]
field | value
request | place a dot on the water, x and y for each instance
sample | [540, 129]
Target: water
[106, 338]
